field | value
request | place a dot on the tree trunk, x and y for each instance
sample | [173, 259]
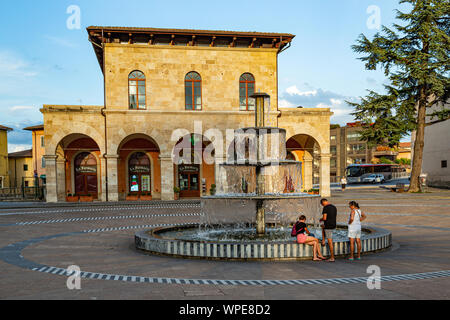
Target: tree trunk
[419, 144]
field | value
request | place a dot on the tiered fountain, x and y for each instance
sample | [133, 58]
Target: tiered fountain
[258, 199]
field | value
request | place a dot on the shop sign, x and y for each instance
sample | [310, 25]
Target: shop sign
[139, 169]
[86, 169]
[188, 168]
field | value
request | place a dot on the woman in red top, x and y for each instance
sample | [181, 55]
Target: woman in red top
[303, 237]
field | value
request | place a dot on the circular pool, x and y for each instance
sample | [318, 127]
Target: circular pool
[238, 242]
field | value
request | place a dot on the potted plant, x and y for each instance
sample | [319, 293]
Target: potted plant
[146, 196]
[71, 197]
[176, 191]
[212, 191]
[132, 197]
[87, 198]
[313, 191]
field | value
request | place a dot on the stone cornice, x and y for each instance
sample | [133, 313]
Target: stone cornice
[306, 111]
[184, 112]
[69, 108]
[50, 157]
[162, 47]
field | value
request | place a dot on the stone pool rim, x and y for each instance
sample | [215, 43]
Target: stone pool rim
[146, 241]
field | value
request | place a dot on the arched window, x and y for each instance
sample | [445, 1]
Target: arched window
[246, 89]
[136, 89]
[193, 83]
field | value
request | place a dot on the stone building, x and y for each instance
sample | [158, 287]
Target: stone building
[166, 89]
[4, 167]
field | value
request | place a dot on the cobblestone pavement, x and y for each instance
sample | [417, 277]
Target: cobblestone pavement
[39, 242]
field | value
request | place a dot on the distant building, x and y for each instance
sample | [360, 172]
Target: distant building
[38, 142]
[4, 174]
[346, 148]
[436, 154]
[404, 150]
[21, 169]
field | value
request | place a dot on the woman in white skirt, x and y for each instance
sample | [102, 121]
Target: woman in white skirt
[354, 229]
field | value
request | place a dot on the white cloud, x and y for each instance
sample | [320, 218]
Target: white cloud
[21, 108]
[283, 103]
[336, 101]
[319, 98]
[18, 147]
[295, 91]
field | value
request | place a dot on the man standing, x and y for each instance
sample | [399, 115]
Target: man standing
[329, 225]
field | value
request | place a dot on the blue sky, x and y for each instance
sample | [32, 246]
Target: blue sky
[44, 62]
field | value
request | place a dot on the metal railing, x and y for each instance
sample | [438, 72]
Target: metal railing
[29, 189]
[22, 193]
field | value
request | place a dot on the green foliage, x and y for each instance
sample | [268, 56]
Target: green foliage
[414, 56]
[176, 190]
[403, 161]
[212, 190]
[385, 161]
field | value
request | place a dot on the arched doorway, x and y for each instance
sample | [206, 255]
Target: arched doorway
[306, 149]
[85, 171]
[139, 174]
[194, 166]
[78, 167]
[138, 168]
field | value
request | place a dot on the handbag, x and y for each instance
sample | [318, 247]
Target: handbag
[294, 231]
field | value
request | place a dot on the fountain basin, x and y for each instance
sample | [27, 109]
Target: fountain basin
[163, 242]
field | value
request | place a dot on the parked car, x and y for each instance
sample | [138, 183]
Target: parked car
[374, 178]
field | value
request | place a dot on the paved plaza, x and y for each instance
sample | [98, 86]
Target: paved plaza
[38, 242]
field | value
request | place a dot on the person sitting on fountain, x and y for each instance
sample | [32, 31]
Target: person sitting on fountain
[303, 235]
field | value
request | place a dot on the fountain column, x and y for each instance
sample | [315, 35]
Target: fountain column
[260, 181]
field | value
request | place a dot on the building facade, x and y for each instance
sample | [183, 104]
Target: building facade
[38, 143]
[166, 90]
[4, 165]
[346, 148]
[404, 150]
[21, 169]
[436, 153]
